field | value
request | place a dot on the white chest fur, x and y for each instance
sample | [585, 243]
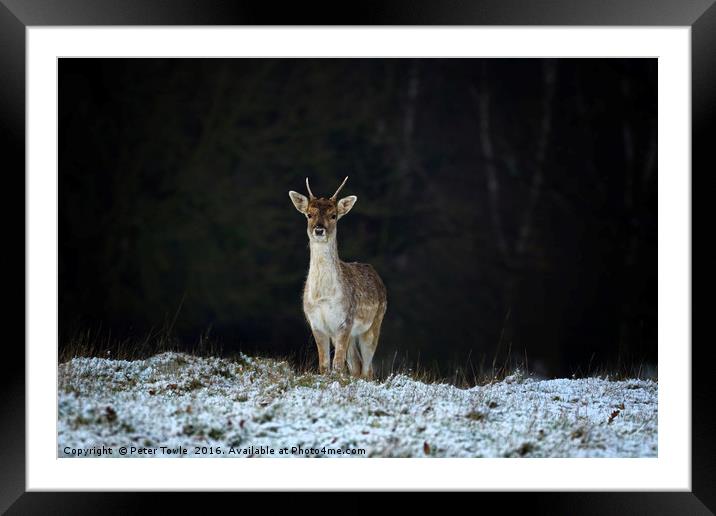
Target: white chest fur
[323, 298]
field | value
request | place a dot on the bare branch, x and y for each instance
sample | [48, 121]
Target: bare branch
[629, 152]
[482, 97]
[649, 163]
[549, 74]
[406, 161]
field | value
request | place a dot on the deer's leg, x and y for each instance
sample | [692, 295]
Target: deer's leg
[323, 343]
[365, 342]
[354, 361]
[342, 342]
[368, 342]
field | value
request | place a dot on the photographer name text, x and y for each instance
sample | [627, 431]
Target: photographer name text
[179, 451]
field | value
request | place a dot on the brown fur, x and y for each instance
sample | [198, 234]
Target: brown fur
[344, 303]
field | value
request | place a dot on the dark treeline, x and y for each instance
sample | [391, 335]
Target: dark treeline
[510, 205]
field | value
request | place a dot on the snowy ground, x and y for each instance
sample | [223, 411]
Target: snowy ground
[243, 407]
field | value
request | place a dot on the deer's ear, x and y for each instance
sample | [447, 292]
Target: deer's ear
[345, 205]
[299, 201]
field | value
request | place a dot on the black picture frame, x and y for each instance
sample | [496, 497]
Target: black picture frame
[17, 15]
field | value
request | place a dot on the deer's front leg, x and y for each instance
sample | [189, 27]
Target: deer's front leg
[323, 343]
[341, 342]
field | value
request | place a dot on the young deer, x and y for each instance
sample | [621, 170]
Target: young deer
[344, 303]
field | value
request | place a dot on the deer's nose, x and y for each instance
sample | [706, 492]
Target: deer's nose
[319, 231]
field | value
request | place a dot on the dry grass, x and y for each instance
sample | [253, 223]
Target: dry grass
[93, 344]
[465, 372]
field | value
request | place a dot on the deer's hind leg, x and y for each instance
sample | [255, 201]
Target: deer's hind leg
[368, 342]
[354, 359]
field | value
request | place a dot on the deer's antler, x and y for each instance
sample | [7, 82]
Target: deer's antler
[339, 188]
[308, 187]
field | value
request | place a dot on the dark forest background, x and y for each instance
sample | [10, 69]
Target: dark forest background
[509, 204]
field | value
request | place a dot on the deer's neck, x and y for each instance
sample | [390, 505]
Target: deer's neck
[324, 270]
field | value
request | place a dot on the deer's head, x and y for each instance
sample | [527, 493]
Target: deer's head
[322, 214]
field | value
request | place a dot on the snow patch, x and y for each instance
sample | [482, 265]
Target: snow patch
[250, 404]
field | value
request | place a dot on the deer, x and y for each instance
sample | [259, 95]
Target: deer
[344, 303]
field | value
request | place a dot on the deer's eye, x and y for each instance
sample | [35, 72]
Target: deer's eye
[333, 217]
[308, 215]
